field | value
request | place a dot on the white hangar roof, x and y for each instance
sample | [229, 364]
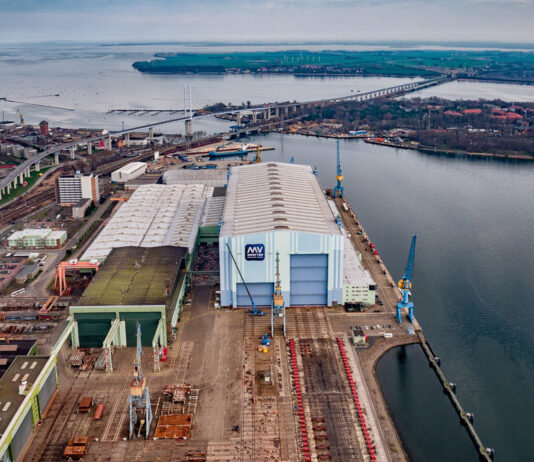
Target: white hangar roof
[155, 215]
[275, 196]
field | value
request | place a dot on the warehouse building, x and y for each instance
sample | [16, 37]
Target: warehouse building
[208, 177]
[279, 208]
[155, 215]
[133, 284]
[27, 390]
[71, 188]
[146, 178]
[128, 172]
[27, 272]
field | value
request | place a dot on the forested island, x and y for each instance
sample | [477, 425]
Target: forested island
[512, 66]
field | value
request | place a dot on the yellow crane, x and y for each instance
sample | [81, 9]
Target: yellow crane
[20, 116]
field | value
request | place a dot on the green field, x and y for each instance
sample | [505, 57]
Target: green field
[425, 63]
[15, 192]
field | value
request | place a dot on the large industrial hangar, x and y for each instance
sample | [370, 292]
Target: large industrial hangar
[27, 389]
[267, 209]
[279, 208]
[134, 284]
[155, 215]
[208, 177]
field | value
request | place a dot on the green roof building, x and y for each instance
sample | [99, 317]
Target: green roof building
[133, 285]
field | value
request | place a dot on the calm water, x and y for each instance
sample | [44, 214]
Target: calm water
[91, 79]
[465, 89]
[473, 276]
[411, 387]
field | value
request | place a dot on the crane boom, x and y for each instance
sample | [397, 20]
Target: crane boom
[405, 285]
[407, 278]
[339, 175]
[254, 311]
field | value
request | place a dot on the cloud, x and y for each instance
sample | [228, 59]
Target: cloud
[268, 20]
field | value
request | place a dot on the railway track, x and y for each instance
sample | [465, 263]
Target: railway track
[18, 210]
[64, 422]
[247, 449]
[331, 421]
[307, 323]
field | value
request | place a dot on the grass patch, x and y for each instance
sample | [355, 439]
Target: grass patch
[15, 192]
[424, 63]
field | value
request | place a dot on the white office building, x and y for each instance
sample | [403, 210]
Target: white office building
[72, 188]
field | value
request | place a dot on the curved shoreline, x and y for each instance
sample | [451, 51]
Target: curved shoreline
[449, 152]
[369, 359]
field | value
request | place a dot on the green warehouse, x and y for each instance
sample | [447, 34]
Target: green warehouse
[133, 285]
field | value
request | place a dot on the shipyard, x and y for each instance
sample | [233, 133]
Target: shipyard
[187, 302]
[219, 243]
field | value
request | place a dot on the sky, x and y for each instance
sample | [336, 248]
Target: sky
[506, 21]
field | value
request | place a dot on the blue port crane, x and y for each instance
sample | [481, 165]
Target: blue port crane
[339, 175]
[405, 285]
[139, 400]
[254, 311]
[278, 306]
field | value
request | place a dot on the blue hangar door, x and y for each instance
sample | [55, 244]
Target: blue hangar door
[309, 280]
[262, 293]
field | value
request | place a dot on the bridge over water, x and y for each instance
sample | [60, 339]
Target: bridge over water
[267, 111]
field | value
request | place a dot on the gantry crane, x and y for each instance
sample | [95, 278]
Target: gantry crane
[339, 175]
[258, 153]
[139, 400]
[278, 308]
[405, 285]
[60, 282]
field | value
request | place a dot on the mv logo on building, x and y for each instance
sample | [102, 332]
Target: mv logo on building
[254, 252]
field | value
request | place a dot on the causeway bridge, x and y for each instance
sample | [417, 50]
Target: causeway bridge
[266, 111]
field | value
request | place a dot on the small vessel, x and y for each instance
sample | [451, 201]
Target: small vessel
[238, 152]
[228, 153]
[232, 150]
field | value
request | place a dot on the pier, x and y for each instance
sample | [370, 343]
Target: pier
[389, 293]
[485, 454]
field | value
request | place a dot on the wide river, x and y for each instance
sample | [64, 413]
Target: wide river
[474, 269]
[472, 286]
[91, 79]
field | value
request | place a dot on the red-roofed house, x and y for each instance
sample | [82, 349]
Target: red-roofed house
[453, 113]
[472, 111]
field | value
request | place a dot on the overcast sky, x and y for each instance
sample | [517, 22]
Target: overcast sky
[267, 20]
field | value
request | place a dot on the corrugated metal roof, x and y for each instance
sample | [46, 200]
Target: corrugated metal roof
[213, 211]
[131, 167]
[209, 177]
[155, 215]
[275, 196]
[135, 276]
[25, 368]
[353, 270]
